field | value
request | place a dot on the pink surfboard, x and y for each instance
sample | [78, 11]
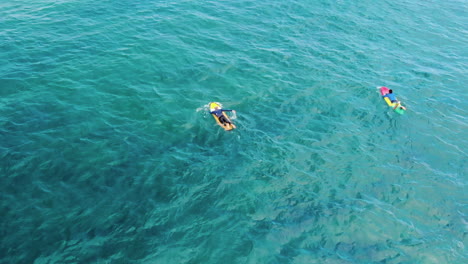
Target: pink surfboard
[384, 90]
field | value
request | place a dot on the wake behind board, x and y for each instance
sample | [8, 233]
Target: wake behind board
[383, 91]
[226, 127]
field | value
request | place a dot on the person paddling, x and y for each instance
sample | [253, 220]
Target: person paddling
[393, 99]
[391, 96]
[218, 112]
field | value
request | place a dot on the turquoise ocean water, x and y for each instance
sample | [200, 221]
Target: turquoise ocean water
[108, 153]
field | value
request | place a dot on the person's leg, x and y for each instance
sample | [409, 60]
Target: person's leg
[223, 120]
[226, 120]
[397, 104]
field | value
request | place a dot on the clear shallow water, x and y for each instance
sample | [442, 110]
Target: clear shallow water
[108, 157]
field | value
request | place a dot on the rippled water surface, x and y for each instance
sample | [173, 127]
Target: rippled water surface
[108, 153]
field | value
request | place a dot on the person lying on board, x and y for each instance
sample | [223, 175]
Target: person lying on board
[218, 112]
[391, 96]
[393, 99]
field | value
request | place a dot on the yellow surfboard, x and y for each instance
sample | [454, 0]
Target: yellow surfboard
[226, 127]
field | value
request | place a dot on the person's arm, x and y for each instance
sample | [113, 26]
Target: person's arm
[227, 110]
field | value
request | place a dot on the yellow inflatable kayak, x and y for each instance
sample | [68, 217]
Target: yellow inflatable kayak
[226, 126]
